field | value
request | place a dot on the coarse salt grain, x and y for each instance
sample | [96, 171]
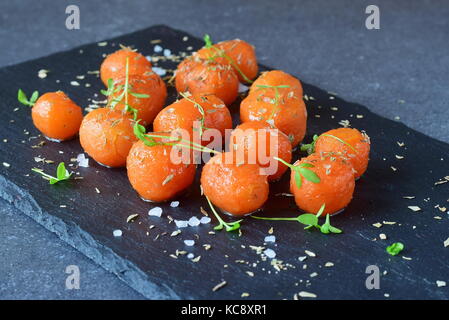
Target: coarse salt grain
[157, 48]
[270, 239]
[174, 204]
[167, 52]
[270, 253]
[159, 71]
[82, 160]
[194, 222]
[155, 212]
[181, 223]
[189, 243]
[117, 233]
[205, 220]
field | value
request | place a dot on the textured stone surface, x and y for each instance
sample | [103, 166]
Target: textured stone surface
[323, 42]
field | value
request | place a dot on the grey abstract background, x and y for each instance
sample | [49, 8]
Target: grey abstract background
[399, 72]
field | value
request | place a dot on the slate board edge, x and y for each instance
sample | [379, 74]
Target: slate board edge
[85, 243]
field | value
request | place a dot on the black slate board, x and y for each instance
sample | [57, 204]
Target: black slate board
[89, 219]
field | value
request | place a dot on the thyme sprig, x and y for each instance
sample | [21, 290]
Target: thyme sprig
[301, 171]
[21, 96]
[149, 140]
[310, 220]
[220, 53]
[229, 226]
[61, 174]
[124, 90]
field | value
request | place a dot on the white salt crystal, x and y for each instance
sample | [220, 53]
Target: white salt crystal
[189, 243]
[205, 220]
[270, 239]
[155, 212]
[159, 71]
[167, 52]
[174, 204]
[82, 160]
[157, 48]
[270, 253]
[181, 223]
[117, 233]
[194, 222]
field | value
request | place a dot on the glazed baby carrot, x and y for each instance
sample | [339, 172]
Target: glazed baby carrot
[236, 188]
[147, 94]
[200, 76]
[113, 66]
[273, 78]
[54, 114]
[350, 143]
[107, 136]
[207, 111]
[334, 186]
[260, 141]
[237, 53]
[288, 114]
[151, 170]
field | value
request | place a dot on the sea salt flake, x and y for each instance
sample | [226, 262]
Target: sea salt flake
[167, 52]
[414, 208]
[194, 222]
[174, 204]
[157, 48]
[270, 239]
[205, 220]
[82, 160]
[189, 243]
[441, 283]
[155, 212]
[270, 253]
[159, 71]
[181, 223]
[117, 233]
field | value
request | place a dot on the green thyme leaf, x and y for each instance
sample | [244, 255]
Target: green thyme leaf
[298, 179]
[34, 97]
[61, 174]
[395, 248]
[308, 219]
[309, 175]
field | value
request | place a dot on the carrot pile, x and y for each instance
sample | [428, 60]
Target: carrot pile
[162, 164]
